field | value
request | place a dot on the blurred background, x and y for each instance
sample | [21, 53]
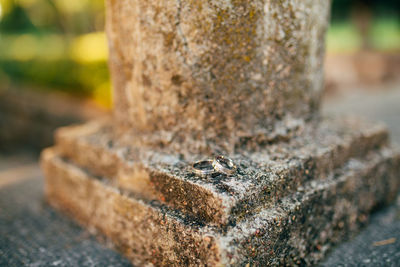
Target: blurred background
[56, 45]
[56, 49]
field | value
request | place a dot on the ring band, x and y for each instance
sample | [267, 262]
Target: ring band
[224, 165]
[203, 167]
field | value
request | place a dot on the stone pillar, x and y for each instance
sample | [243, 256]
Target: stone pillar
[215, 70]
[194, 79]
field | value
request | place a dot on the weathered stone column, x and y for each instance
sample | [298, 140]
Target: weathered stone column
[215, 70]
[194, 79]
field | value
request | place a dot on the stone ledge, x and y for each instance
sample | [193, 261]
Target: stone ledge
[146, 232]
[264, 177]
[298, 231]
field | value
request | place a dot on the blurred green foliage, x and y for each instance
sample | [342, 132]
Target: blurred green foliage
[56, 44]
[344, 37]
[60, 44]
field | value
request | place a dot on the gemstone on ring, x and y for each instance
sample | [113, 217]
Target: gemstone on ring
[203, 167]
[224, 165]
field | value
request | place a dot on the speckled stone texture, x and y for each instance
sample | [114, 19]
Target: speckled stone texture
[233, 68]
[298, 229]
[194, 79]
[288, 203]
[264, 176]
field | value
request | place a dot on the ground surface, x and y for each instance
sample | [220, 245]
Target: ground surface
[33, 234]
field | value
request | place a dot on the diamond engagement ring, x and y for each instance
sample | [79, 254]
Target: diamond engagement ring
[203, 167]
[224, 165]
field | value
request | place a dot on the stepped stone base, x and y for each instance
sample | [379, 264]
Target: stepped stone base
[288, 203]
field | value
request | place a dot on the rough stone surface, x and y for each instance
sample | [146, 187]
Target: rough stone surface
[264, 175]
[198, 78]
[143, 231]
[298, 231]
[213, 71]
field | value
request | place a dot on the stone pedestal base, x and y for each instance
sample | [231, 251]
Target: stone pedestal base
[287, 204]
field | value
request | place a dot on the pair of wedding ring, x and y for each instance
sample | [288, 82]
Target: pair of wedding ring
[219, 164]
